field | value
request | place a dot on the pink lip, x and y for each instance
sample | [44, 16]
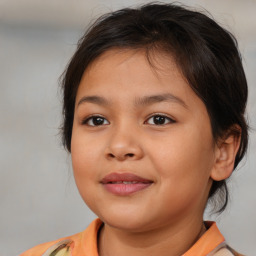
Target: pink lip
[124, 183]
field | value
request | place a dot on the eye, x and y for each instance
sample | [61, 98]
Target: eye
[95, 121]
[159, 120]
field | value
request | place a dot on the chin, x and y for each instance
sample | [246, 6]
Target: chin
[127, 221]
[127, 224]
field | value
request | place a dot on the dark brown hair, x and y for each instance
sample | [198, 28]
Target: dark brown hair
[205, 52]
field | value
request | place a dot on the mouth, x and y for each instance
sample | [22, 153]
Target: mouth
[124, 184]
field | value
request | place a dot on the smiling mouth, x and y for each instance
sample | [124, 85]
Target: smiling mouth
[124, 184]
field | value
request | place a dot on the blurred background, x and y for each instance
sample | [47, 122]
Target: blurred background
[39, 201]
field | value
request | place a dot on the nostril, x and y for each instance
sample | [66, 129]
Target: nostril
[130, 154]
[121, 156]
[111, 155]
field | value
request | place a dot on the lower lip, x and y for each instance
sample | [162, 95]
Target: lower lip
[125, 189]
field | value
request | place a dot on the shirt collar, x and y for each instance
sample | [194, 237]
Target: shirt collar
[206, 243]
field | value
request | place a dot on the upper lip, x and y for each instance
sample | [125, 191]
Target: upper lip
[119, 177]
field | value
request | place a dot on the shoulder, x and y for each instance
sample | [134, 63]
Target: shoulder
[211, 243]
[234, 252]
[62, 246]
[78, 244]
[227, 251]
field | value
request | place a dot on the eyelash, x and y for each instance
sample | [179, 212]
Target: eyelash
[166, 118]
[88, 119]
[170, 120]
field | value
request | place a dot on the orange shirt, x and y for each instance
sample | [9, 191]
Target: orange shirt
[85, 244]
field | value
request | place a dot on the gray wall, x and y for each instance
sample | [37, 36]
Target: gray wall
[39, 201]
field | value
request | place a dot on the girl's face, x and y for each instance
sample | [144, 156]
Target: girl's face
[142, 147]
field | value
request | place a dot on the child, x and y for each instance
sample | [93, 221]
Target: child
[154, 103]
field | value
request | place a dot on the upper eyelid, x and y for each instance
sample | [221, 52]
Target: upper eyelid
[94, 115]
[87, 118]
[167, 118]
[161, 114]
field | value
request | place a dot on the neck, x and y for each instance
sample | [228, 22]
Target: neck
[169, 240]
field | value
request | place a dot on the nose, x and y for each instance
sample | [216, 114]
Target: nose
[124, 145]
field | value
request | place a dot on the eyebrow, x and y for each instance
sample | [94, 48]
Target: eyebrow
[145, 100]
[167, 97]
[93, 99]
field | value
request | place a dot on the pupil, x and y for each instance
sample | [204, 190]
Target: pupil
[98, 121]
[159, 120]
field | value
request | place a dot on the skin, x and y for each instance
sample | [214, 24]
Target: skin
[180, 156]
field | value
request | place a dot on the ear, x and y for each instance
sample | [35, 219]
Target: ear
[225, 156]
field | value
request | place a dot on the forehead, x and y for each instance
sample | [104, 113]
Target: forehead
[124, 77]
[157, 60]
[131, 66]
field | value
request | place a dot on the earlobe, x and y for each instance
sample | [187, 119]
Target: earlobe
[226, 151]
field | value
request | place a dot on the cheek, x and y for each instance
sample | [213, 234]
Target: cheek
[84, 173]
[184, 175]
[84, 157]
[84, 150]
[185, 157]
